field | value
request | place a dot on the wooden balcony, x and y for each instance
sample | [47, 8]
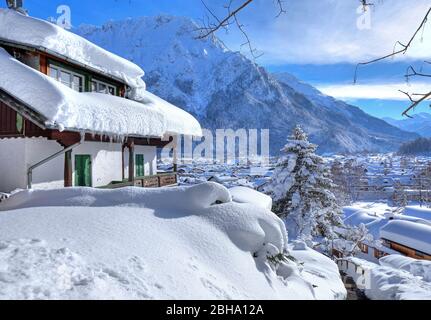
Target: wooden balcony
[155, 181]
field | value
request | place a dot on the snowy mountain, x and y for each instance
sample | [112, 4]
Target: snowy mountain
[420, 123]
[224, 89]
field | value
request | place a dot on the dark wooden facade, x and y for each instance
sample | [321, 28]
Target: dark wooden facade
[14, 125]
[407, 251]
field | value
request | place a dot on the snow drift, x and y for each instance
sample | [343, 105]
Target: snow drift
[387, 283]
[247, 195]
[171, 243]
[396, 277]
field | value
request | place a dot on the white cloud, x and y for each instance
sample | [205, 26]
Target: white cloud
[389, 91]
[326, 31]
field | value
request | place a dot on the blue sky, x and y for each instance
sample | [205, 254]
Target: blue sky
[317, 41]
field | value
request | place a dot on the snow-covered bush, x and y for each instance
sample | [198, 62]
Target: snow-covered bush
[301, 190]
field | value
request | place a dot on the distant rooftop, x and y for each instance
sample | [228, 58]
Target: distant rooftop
[411, 234]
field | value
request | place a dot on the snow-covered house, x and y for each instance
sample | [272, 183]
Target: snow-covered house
[74, 114]
[409, 238]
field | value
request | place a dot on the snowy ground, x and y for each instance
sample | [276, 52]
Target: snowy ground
[134, 243]
[394, 277]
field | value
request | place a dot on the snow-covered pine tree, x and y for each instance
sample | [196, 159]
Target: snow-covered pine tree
[399, 197]
[301, 190]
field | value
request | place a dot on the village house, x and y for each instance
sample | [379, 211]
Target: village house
[408, 238]
[74, 114]
[396, 236]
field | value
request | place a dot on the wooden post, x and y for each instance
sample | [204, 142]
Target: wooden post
[175, 155]
[43, 64]
[68, 179]
[131, 146]
[122, 162]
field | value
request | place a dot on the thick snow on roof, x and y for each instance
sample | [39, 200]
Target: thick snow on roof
[65, 108]
[414, 235]
[177, 120]
[168, 243]
[361, 216]
[40, 34]
[418, 212]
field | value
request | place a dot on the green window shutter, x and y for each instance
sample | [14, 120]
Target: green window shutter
[19, 123]
[82, 170]
[139, 165]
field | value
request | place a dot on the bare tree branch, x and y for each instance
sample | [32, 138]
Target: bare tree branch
[224, 22]
[404, 47]
[410, 71]
[211, 27]
[280, 4]
[415, 103]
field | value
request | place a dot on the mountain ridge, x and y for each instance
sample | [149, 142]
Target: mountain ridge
[224, 89]
[420, 124]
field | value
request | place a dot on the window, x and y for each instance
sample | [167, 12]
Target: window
[102, 87]
[71, 79]
[378, 254]
[363, 247]
[19, 123]
[139, 165]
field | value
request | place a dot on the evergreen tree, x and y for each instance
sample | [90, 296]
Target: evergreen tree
[399, 197]
[301, 189]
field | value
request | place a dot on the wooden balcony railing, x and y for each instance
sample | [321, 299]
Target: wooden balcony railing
[155, 181]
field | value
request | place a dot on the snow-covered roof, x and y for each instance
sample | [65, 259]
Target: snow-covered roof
[65, 108]
[414, 235]
[43, 35]
[418, 212]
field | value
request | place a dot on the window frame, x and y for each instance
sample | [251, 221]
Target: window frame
[59, 69]
[87, 76]
[364, 248]
[106, 84]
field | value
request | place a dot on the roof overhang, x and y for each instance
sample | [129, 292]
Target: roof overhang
[39, 49]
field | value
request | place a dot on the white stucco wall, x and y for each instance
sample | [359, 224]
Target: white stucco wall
[49, 175]
[105, 159]
[150, 159]
[12, 164]
[16, 155]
